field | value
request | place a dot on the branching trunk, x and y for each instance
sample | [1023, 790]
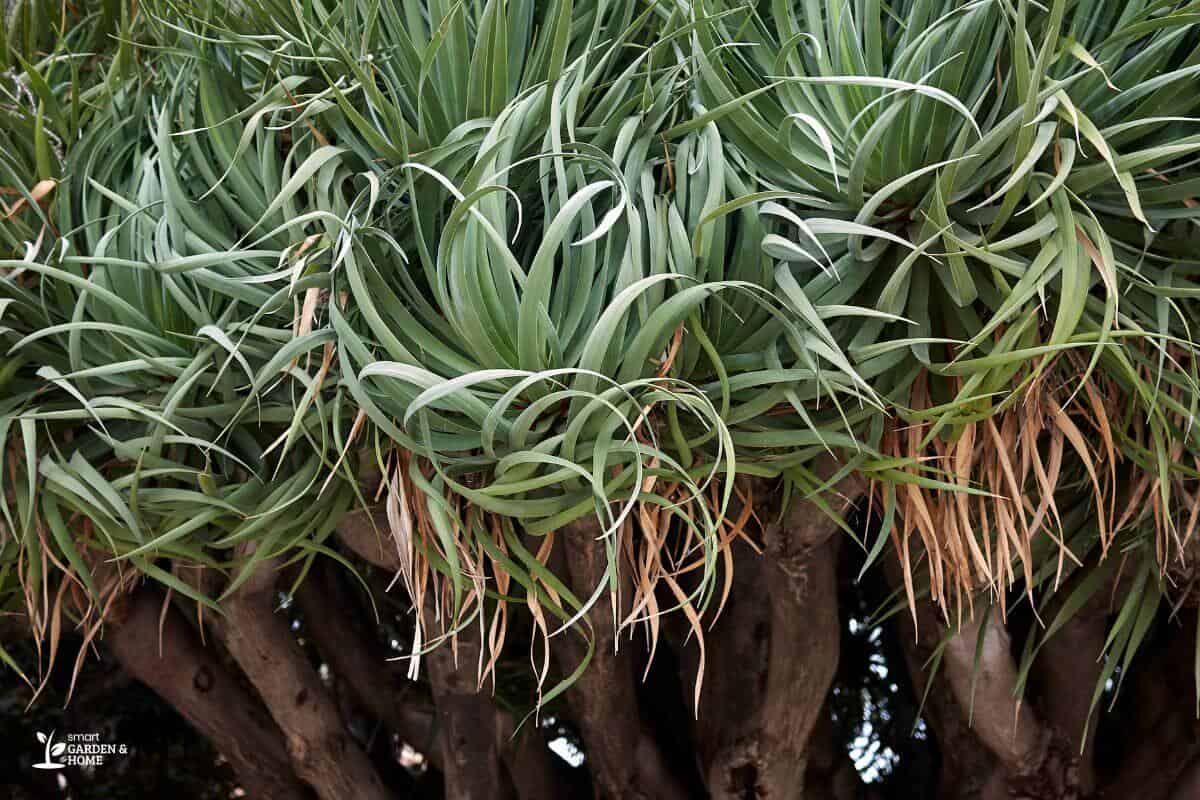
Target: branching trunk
[965, 763]
[626, 763]
[1036, 764]
[773, 654]
[360, 663]
[474, 738]
[321, 750]
[982, 676]
[162, 651]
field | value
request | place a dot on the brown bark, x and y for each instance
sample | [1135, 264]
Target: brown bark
[467, 746]
[365, 533]
[625, 762]
[475, 737]
[470, 736]
[1066, 672]
[321, 750]
[1187, 786]
[1034, 762]
[530, 762]
[480, 755]
[359, 662]
[171, 661]
[983, 677]
[773, 654]
[831, 774]
[994, 744]
[965, 763]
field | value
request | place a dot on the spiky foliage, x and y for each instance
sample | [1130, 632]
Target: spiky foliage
[1015, 182]
[529, 263]
[496, 389]
[154, 361]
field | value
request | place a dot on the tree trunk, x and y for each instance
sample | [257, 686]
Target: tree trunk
[965, 763]
[1066, 672]
[470, 750]
[831, 774]
[624, 759]
[474, 736]
[360, 662]
[772, 657]
[162, 651]
[1160, 724]
[259, 639]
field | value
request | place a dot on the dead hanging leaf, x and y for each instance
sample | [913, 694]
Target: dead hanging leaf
[967, 543]
[672, 352]
[40, 191]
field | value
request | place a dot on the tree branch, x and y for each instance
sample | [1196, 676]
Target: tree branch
[474, 736]
[987, 687]
[1160, 729]
[624, 759]
[983, 676]
[773, 654]
[360, 663]
[320, 748]
[172, 662]
[1067, 670]
[966, 765]
[470, 735]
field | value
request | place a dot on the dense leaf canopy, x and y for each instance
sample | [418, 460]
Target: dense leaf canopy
[504, 265]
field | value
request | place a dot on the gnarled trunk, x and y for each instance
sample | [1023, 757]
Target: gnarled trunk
[773, 654]
[322, 752]
[155, 645]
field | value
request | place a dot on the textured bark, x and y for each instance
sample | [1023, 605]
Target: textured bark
[966, 764]
[479, 754]
[359, 661]
[625, 762]
[467, 746]
[773, 654]
[321, 750]
[187, 676]
[474, 738]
